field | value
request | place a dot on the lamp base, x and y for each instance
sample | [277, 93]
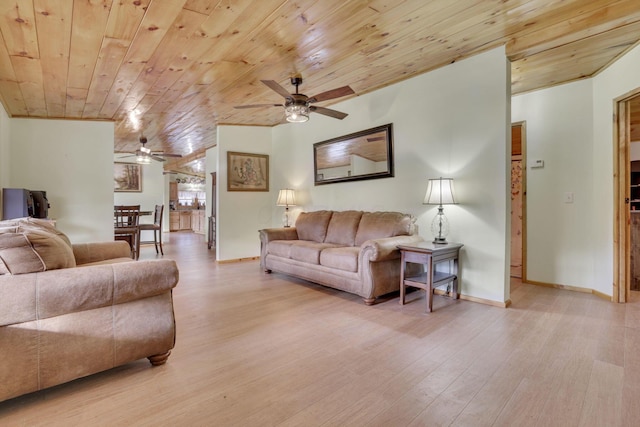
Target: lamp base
[440, 241]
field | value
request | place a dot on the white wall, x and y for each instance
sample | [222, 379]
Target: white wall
[617, 80]
[451, 122]
[560, 236]
[572, 244]
[73, 162]
[241, 213]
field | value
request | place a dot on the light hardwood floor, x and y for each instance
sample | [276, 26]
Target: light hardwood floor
[255, 349]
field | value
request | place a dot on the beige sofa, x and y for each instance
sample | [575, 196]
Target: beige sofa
[67, 311]
[353, 251]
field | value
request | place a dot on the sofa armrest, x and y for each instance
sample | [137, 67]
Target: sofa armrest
[386, 248]
[100, 251]
[269, 234]
[56, 292]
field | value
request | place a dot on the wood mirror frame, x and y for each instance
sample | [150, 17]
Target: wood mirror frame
[367, 154]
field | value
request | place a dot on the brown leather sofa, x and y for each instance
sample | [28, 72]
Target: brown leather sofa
[67, 311]
[353, 251]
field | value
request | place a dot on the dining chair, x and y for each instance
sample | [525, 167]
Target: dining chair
[156, 227]
[126, 222]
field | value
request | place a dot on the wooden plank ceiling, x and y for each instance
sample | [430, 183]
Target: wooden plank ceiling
[174, 69]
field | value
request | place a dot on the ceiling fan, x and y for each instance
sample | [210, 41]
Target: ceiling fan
[297, 105]
[144, 155]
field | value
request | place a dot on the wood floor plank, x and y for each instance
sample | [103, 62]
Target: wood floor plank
[603, 402]
[255, 349]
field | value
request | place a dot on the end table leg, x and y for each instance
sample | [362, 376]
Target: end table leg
[402, 267]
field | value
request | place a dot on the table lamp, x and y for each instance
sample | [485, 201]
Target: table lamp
[440, 192]
[286, 198]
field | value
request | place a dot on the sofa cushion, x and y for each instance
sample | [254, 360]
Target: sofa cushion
[313, 225]
[345, 258]
[281, 248]
[343, 227]
[377, 225]
[308, 252]
[33, 250]
[19, 224]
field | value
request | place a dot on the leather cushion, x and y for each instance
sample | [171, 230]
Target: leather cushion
[281, 248]
[313, 225]
[343, 227]
[345, 258]
[32, 250]
[20, 224]
[308, 252]
[377, 225]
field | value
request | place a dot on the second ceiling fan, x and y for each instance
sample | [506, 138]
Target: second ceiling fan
[144, 155]
[297, 106]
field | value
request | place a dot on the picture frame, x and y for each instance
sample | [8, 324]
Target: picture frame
[127, 177]
[247, 171]
[367, 154]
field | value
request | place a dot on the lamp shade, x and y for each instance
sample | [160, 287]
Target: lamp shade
[440, 192]
[286, 197]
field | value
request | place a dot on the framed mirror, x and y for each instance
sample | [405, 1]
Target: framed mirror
[367, 154]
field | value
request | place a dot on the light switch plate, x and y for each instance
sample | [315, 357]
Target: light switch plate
[537, 164]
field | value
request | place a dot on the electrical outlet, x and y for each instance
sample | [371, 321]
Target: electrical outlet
[568, 197]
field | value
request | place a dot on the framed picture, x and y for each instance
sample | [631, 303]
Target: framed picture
[247, 172]
[127, 177]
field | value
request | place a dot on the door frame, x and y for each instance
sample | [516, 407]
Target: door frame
[621, 194]
[523, 138]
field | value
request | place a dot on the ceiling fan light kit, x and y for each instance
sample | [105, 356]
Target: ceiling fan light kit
[297, 106]
[296, 113]
[144, 155]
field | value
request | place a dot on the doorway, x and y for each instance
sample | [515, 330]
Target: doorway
[627, 196]
[518, 200]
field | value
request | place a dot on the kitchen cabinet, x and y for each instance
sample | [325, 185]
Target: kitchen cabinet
[179, 220]
[174, 221]
[173, 191]
[185, 220]
[197, 221]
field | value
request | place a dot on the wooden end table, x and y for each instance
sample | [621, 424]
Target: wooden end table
[430, 254]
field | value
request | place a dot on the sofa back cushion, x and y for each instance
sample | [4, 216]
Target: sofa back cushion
[376, 225]
[30, 250]
[20, 224]
[313, 225]
[343, 227]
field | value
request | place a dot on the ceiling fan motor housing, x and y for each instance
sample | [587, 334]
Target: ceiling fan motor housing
[297, 99]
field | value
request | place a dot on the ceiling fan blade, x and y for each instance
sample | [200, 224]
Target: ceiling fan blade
[331, 94]
[159, 153]
[128, 155]
[154, 157]
[328, 112]
[276, 86]
[258, 105]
